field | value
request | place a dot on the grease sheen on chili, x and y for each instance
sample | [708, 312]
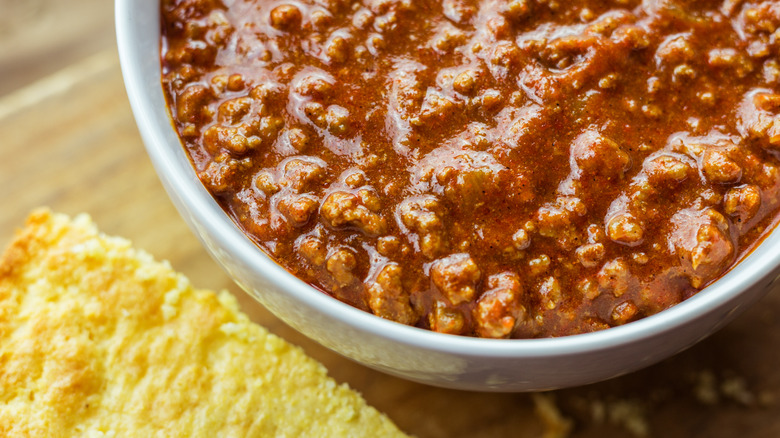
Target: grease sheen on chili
[518, 168]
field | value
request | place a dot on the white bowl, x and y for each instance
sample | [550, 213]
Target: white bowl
[408, 352]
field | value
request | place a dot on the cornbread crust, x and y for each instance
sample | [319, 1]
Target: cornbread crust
[99, 339]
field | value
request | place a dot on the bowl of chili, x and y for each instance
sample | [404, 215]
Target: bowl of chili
[480, 200]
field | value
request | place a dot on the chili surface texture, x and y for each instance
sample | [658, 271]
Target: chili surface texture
[517, 168]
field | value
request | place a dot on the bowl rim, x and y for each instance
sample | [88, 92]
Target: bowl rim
[750, 270]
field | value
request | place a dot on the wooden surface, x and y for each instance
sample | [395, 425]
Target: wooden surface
[68, 140]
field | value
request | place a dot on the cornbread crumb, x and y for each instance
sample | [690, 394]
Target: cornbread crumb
[99, 340]
[711, 390]
[706, 391]
[630, 414]
[555, 424]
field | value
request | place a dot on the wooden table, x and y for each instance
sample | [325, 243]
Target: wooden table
[68, 140]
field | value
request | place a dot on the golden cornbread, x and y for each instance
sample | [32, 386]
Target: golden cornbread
[99, 339]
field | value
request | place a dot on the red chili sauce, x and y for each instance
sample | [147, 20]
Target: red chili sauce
[521, 169]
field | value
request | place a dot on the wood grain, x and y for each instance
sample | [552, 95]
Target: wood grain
[68, 140]
[39, 37]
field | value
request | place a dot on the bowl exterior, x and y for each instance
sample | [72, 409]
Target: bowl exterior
[419, 355]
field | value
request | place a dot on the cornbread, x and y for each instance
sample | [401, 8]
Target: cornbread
[98, 339]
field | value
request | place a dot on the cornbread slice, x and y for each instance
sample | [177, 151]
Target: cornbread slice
[99, 340]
